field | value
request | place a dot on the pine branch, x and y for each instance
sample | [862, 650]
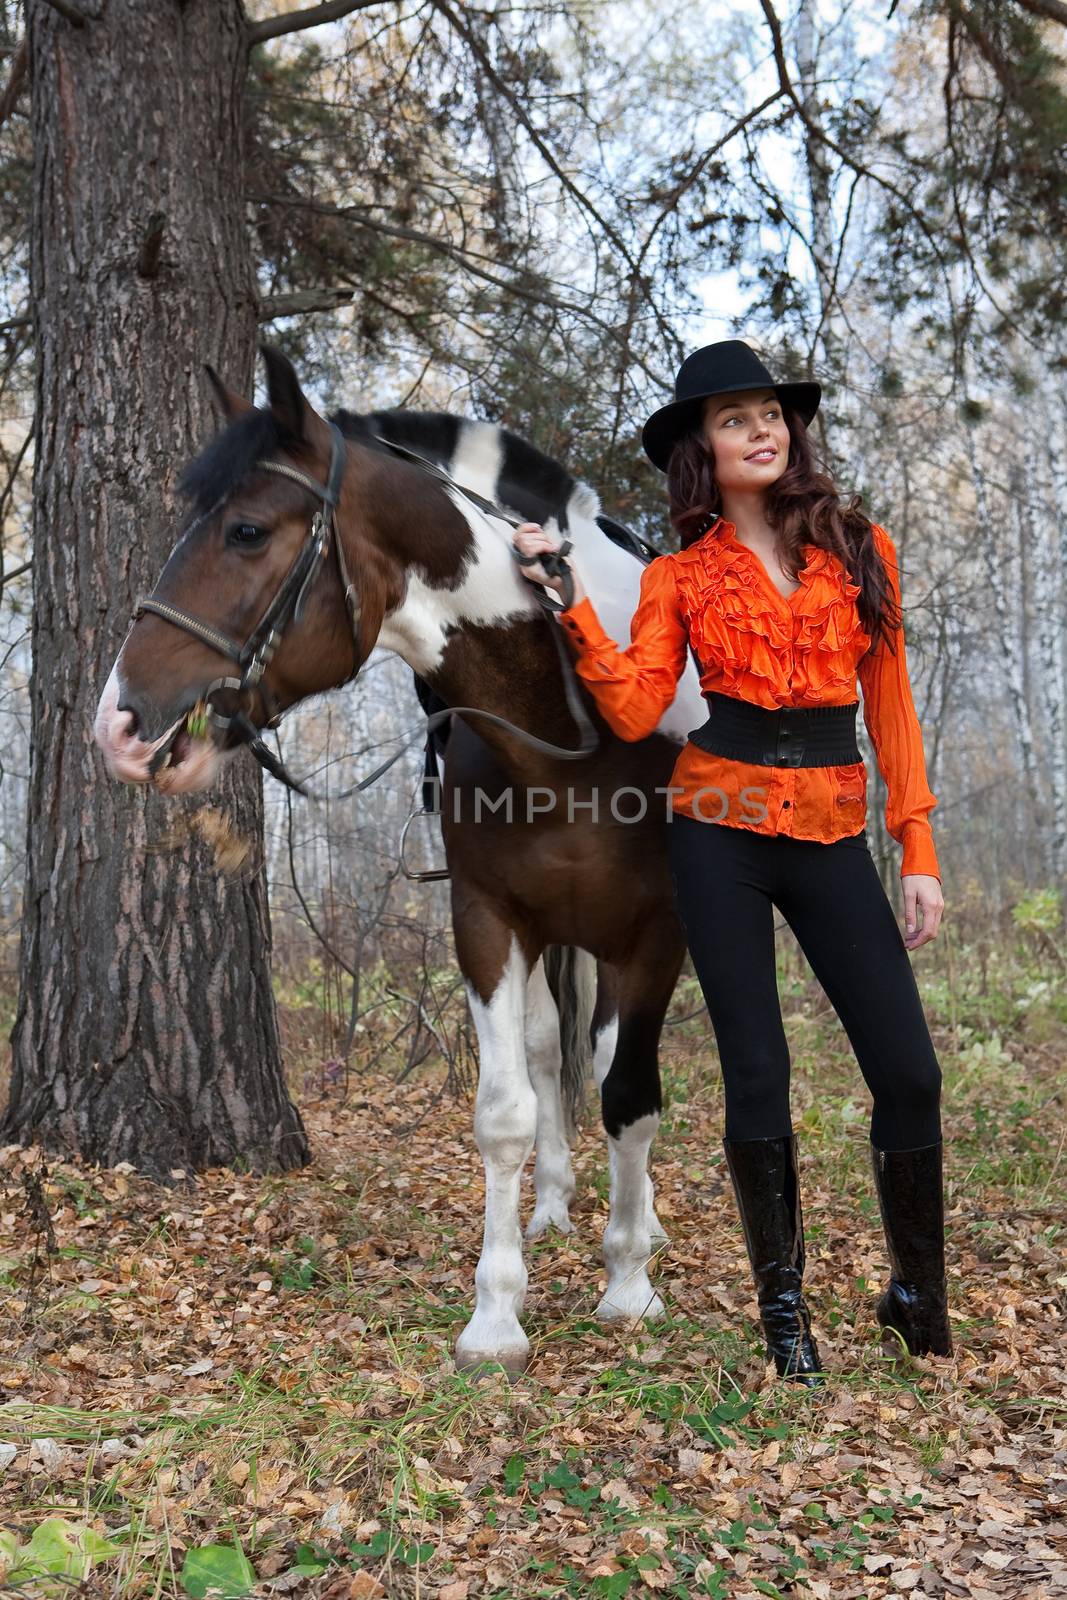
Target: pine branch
[983, 43]
[13, 87]
[303, 301]
[310, 17]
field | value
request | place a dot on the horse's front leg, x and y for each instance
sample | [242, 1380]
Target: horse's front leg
[495, 971]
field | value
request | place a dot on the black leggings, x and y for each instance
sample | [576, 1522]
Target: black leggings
[726, 882]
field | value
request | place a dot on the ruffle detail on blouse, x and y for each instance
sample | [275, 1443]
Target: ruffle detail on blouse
[830, 636]
[748, 639]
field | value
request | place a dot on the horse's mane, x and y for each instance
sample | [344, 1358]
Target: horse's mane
[533, 483]
[232, 454]
[530, 480]
[536, 483]
[524, 478]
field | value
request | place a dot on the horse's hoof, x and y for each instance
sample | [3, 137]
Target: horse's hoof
[480, 1363]
[623, 1305]
[485, 1348]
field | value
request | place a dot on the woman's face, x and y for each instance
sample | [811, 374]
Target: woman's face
[748, 437]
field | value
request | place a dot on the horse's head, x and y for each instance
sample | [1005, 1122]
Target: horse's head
[249, 615]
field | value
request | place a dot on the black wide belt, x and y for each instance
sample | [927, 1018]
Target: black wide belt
[792, 736]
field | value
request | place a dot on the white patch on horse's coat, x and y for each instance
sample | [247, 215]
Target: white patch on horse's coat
[604, 1046]
[505, 1122]
[612, 577]
[478, 458]
[554, 1185]
[656, 1231]
[491, 590]
[620, 1175]
[627, 1241]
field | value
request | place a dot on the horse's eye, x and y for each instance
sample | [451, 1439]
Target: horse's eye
[246, 534]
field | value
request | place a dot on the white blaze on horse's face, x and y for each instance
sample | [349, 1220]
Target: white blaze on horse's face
[193, 764]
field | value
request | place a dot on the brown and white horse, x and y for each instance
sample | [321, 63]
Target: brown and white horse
[542, 852]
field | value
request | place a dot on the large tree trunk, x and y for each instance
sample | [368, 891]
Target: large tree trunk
[146, 1029]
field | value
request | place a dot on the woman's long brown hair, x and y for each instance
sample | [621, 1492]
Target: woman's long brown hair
[804, 507]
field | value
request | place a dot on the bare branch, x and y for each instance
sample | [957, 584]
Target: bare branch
[462, 27]
[310, 17]
[301, 302]
[13, 87]
[15, 322]
[532, 291]
[67, 9]
[670, 200]
[6, 498]
[1054, 10]
[823, 137]
[16, 572]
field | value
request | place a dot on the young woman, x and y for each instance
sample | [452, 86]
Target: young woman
[784, 594]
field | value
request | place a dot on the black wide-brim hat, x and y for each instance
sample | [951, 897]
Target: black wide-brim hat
[717, 369]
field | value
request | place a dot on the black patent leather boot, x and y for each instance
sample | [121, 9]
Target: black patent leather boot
[912, 1202]
[767, 1185]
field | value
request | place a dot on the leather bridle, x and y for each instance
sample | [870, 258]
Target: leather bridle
[255, 655]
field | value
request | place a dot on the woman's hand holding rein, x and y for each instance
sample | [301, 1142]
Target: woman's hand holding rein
[530, 540]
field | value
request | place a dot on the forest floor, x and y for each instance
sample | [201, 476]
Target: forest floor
[263, 1364]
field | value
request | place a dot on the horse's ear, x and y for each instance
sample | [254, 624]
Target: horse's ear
[228, 402]
[284, 394]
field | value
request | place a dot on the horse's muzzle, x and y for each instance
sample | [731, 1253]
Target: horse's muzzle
[174, 762]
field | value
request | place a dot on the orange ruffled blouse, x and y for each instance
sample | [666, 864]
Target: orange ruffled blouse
[755, 644]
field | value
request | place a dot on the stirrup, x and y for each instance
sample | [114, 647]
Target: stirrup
[419, 877]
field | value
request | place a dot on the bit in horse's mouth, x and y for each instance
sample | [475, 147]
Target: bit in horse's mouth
[180, 748]
[163, 756]
[178, 742]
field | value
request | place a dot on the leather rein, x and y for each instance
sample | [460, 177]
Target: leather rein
[287, 606]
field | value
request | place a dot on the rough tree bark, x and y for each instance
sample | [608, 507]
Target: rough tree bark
[146, 1029]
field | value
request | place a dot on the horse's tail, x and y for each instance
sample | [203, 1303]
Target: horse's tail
[571, 975]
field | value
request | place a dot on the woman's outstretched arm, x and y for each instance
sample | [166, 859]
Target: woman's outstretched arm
[891, 720]
[632, 687]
